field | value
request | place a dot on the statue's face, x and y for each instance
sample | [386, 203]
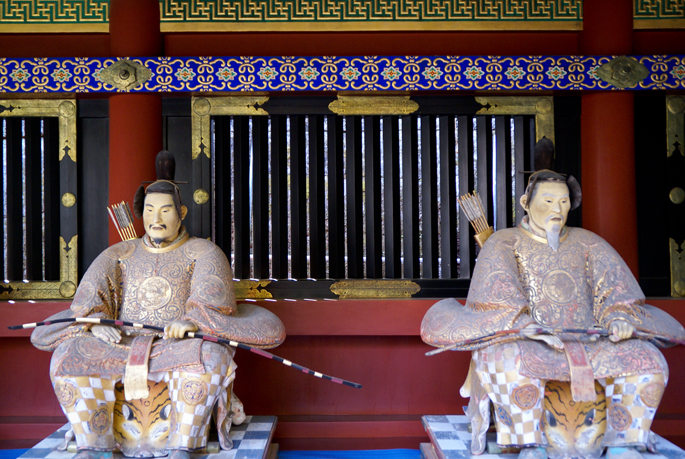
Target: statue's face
[160, 218]
[549, 209]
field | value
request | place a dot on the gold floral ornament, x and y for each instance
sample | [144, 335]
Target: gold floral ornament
[623, 72]
[194, 391]
[100, 420]
[66, 393]
[125, 75]
[373, 105]
[252, 289]
[374, 288]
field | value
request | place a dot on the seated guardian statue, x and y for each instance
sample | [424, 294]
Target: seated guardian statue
[168, 279]
[545, 274]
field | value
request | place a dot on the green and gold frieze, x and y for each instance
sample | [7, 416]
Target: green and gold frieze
[364, 15]
[46, 16]
[658, 14]
[73, 16]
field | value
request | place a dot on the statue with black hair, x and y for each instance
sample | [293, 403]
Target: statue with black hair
[167, 279]
[543, 275]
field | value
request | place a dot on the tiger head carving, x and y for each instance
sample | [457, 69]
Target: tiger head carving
[573, 429]
[141, 427]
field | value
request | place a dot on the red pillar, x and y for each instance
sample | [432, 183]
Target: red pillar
[607, 135]
[135, 120]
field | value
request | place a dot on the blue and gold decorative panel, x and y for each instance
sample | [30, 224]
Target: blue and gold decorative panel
[366, 73]
[659, 14]
[366, 15]
[27, 16]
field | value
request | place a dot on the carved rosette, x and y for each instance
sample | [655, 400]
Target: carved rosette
[125, 75]
[623, 72]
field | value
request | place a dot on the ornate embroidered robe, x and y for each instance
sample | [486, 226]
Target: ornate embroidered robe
[520, 280]
[189, 280]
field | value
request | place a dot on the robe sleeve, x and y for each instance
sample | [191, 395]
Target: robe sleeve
[496, 299]
[617, 294]
[97, 296]
[212, 295]
[213, 308]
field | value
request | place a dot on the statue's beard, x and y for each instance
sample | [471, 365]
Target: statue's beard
[158, 240]
[553, 233]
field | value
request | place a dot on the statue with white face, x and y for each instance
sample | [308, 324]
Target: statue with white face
[161, 219]
[165, 279]
[548, 213]
[546, 275]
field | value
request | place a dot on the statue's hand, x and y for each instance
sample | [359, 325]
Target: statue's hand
[106, 333]
[550, 340]
[620, 330]
[179, 328]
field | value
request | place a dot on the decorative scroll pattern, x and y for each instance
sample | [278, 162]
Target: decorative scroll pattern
[369, 10]
[371, 73]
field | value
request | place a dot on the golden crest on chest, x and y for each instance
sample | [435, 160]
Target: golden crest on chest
[155, 288]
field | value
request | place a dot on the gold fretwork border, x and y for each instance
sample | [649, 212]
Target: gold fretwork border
[367, 26]
[92, 16]
[65, 110]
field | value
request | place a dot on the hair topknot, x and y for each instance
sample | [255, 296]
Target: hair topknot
[165, 166]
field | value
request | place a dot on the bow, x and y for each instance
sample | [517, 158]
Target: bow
[211, 338]
[541, 330]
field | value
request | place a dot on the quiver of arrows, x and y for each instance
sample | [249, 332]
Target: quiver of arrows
[473, 208]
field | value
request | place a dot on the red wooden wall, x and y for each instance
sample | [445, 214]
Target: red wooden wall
[373, 342]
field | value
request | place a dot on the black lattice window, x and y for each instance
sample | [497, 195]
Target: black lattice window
[327, 196]
[31, 199]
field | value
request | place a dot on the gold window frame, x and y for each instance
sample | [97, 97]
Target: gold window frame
[65, 111]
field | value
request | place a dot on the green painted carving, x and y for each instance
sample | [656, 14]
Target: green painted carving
[370, 10]
[53, 11]
[659, 9]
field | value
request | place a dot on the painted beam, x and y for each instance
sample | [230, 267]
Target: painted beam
[330, 73]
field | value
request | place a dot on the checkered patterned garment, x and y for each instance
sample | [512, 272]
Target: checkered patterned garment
[496, 366]
[630, 408]
[451, 439]
[250, 441]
